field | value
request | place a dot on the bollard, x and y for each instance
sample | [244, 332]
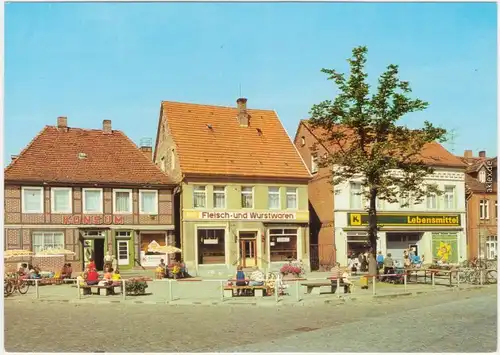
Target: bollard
[432, 278]
[338, 287]
[222, 291]
[124, 290]
[481, 277]
[170, 296]
[37, 294]
[78, 289]
[297, 290]
[404, 278]
[374, 279]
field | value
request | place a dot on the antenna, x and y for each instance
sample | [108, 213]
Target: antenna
[452, 134]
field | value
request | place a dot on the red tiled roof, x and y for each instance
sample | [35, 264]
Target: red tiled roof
[229, 149]
[475, 185]
[433, 154]
[53, 156]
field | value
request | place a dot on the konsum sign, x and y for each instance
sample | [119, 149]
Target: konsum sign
[76, 219]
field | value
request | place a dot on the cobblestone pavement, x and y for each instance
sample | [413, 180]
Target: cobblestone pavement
[462, 321]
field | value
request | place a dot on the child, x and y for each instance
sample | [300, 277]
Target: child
[346, 281]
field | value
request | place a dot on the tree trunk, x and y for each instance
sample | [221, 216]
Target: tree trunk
[372, 220]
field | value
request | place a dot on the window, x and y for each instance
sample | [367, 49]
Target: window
[283, 244]
[449, 197]
[219, 197]
[211, 246]
[92, 200]
[148, 202]
[246, 197]
[491, 247]
[61, 200]
[355, 197]
[162, 164]
[274, 198]
[482, 176]
[404, 201]
[302, 141]
[32, 199]
[122, 201]
[291, 198]
[314, 164]
[172, 159]
[484, 212]
[47, 240]
[199, 197]
[432, 201]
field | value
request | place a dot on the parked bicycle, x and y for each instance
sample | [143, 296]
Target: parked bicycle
[13, 284]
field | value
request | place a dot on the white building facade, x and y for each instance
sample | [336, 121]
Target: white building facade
[436, 227]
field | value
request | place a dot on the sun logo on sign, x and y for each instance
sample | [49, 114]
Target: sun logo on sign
[444, 251]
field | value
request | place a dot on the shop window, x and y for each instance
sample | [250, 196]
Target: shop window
[291, 198]
[61, 200]
[148, 202]
[247, 197]
[32, 199]
[484, 212]
[199, 196]
[47, 240]
[449, 197]
[211, 246]
[355, 195]
[92, 201]
[432, 201]
[283, 244]
[219, 197]
[274, 197]
[122, 201]
[491, 247]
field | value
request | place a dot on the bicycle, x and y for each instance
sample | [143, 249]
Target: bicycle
[13, 284]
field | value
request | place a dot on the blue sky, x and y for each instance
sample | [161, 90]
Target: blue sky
[95, 61]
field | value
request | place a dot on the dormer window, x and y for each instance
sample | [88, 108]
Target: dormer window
[302, 141]
[482, 176]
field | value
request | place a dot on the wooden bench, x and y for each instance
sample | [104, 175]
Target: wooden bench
[258, 290]
[110, 289]
[315, 288]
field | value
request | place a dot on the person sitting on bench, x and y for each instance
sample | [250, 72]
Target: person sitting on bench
[240, 279]
[257, 277]
[346, 281]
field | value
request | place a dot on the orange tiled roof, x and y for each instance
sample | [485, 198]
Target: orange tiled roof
[433, 153]
[53, 157]
[228, 149]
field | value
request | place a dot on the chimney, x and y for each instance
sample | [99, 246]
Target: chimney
[13, 157]
[106, 126]
[482, 154]
[146, 147]
[62, 122]
[468, 154]
[243, 116]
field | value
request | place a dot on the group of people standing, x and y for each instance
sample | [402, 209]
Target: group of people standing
[363, 262]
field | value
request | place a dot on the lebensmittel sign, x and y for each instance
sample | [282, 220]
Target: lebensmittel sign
[396, 219]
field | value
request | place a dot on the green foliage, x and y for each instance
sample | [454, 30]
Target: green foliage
[367, 143]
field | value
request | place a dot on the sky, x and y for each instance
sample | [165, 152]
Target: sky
[96, 61]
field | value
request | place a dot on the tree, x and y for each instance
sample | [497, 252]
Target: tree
[366, 141]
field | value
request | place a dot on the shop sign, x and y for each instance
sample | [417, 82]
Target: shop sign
[489, 176]
[211, 241]
[282, 239]
[393, 219]
[248, 215]
[108, 219]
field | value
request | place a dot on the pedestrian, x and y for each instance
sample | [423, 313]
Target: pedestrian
[353, 264]
[364, 262]
[388, 264]
[380, 260]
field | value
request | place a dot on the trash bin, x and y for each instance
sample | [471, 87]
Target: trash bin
[363, 282]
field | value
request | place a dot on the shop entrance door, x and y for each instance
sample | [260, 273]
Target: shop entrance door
[123, 252]
[248, 249]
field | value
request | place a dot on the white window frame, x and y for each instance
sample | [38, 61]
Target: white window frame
[219, 193]
[352, 196]
[269, 193]
[42, 233]
[302, 141]
[251, 193]
[53, 191]
[130, 204]
[155, 212]
[39, 188]
[484, 207]
[428, 200]
[195, 187]
[84, 198]
[296, 193]
[481, 176]
[453, 196]
[491, 246]
[314, 164]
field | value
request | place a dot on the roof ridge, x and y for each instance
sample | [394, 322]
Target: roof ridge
[28, 146]
[216, 106]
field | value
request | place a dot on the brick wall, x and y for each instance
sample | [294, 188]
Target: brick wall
[321, 201]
